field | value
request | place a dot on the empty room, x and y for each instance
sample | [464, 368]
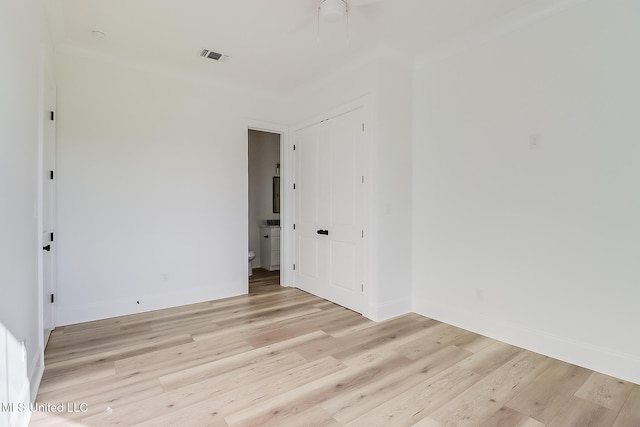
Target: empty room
[320, 213]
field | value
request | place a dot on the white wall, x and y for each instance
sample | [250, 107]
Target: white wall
[388, 88]
[525, 192]
[152, 185]
[392, 192]
[23, 41]
[152, 189]
[264, 154]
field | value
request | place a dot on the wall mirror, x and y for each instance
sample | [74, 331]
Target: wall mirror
[276, 194]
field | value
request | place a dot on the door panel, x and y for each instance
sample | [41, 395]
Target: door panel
[343, 258]
[345, 135]
[308, 264]
[343, 187]
[307, 176]
[307, 273]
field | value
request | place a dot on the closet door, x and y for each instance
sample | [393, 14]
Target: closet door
[343, 177]
[309, 256]
[330, 200]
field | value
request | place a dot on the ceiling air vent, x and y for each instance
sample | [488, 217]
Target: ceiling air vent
[206, 53]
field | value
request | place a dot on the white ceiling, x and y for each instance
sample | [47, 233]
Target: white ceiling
[273, 44]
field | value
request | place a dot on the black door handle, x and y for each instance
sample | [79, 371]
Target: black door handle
[47, 248]
[324, 232]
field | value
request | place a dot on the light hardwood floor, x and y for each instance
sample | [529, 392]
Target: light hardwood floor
[279, 356]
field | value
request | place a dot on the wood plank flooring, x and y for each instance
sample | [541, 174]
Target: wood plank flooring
[282, 357]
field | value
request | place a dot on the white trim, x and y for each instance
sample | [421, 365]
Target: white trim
[37, 371]
[494, 29]
[21, 418]
[596, 358]
[286, 208]
[390, 309]
[69, 315]
[36, 368]
[40, 176]
[360, 102]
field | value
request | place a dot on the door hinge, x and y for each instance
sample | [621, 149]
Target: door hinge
[51, 237]
[294, 267]
[363, 127]
[50, 174]
[294, 147]
[362, 234]
[294, 226]
[363, 179]
[362, 287]
[52, 115]
[294, 185]
[53, 299]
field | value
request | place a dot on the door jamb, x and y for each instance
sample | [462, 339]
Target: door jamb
[286, 199]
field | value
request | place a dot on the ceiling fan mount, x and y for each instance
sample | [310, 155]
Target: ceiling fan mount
[332, 10]
[335, 11]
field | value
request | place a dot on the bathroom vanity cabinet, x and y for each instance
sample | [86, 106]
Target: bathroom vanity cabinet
[270, 247]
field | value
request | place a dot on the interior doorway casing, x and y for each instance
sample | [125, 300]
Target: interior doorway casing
[286, 207]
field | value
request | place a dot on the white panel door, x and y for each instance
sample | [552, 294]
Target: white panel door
[48, 207]
[308, 275]
[329, 217]
[344, 138]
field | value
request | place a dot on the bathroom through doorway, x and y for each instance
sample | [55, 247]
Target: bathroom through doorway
[264, 201]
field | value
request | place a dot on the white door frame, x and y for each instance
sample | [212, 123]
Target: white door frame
[286, 201]
[47, 104]
[367, 104]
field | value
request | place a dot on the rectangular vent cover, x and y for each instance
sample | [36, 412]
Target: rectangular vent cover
[206, 53]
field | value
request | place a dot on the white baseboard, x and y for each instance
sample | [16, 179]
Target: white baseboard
[21, 417]
[596, 358]
[389, 309]
[37, 371]
[69, 315]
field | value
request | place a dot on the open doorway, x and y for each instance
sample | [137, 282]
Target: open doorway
[264, 202]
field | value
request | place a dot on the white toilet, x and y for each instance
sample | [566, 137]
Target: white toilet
[252, 255]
